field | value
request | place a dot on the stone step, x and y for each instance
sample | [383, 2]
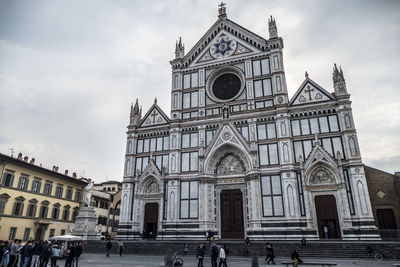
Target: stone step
[337, 249]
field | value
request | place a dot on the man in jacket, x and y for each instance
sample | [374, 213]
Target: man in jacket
[78, 253]
[27, 253]
[214, 254]
[108, 247]
[36, 254]
[222, 257]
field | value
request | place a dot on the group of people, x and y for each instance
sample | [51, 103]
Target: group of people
[216, 252]
[38, 253]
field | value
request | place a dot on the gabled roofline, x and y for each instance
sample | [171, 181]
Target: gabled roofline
[306, 80]
[162, 113]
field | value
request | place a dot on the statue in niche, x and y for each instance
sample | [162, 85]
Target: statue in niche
[230, 165]
[322, 176]
[152, 188]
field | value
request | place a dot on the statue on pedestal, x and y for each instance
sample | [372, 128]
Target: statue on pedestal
[87, 194]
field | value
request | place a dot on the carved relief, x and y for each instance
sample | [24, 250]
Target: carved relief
[230, 164]
[152, 188]
[322, 176]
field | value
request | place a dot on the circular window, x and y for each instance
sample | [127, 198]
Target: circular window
[226, 86]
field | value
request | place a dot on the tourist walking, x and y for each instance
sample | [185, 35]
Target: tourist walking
[185, 249]
[77, 254]
[222, 257]
[55, 253]
[200, 255]
[108, 248]
[45, 253]
[270, 254]
[121, 248]
[214, 254]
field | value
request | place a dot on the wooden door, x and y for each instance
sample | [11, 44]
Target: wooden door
[327, 216]
[232, 226]
[150, 220]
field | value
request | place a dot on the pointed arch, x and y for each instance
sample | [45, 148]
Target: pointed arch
[291, 201]
[172, 206]
[130, 147]
[352, 145]
[362, 197]
[347, 121]
[173, 163]
[283, 128]
[128, 167]
[285, 152]
[174, 141]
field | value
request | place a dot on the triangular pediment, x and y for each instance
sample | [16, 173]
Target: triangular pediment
[224, 46]
[310, 92]
[151, 169]
[319, 154]
[154, 117]
[242, 42]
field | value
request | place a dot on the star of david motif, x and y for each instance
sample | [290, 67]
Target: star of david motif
[223, 46]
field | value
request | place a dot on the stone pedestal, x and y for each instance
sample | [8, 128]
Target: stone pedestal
[85, 224]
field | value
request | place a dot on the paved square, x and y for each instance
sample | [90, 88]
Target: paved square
[190, 261]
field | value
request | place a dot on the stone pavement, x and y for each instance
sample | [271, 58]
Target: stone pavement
[88, 259]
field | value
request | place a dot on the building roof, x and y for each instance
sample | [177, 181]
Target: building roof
[25, 164]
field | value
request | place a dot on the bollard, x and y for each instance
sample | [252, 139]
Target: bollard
[254, 260]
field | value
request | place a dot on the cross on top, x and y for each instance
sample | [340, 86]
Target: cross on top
[222, 9]
[309, 90]
[154, 115]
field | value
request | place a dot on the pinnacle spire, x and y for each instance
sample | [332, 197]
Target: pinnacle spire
[179, 49]
[273, 30]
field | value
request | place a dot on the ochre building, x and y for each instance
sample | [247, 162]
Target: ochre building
[35, 202]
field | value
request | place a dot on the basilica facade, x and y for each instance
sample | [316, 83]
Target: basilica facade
[237, 157]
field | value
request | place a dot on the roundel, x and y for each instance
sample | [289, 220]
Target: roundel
[225, 84]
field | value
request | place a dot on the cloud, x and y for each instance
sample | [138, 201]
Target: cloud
[70, 70]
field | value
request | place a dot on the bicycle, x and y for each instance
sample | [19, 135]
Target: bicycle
[383, 256]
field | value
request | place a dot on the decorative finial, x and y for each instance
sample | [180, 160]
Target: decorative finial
[155, 100]
[306, 74]
[222, 10]
[179, 49]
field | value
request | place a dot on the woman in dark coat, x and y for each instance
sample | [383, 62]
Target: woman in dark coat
[200, 255]
[270, 254]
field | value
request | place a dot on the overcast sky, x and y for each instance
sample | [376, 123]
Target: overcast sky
[69, 70]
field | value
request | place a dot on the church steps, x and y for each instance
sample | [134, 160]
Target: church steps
[325, 249]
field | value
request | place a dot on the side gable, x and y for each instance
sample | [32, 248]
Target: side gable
[154, 117]
[310, 92]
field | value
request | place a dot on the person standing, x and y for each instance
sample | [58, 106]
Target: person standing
[28, 253]
[121, 248]
[45, 253]
[77, 254]
[71, 255]
[6, 255]
[36, 254]
[185, 249]
[222, 257]
[13, 254]
[55, 253]
[200, 255]
[214, 254]
[108, 248]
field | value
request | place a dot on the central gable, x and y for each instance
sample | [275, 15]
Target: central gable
[154, 117]
[213, 46]
[224, 46]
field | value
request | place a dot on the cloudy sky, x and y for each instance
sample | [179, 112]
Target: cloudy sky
[69, 70]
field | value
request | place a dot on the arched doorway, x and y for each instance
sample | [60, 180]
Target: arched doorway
[327, 217]
[39, 232]
[232, 226]
[150, 220]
